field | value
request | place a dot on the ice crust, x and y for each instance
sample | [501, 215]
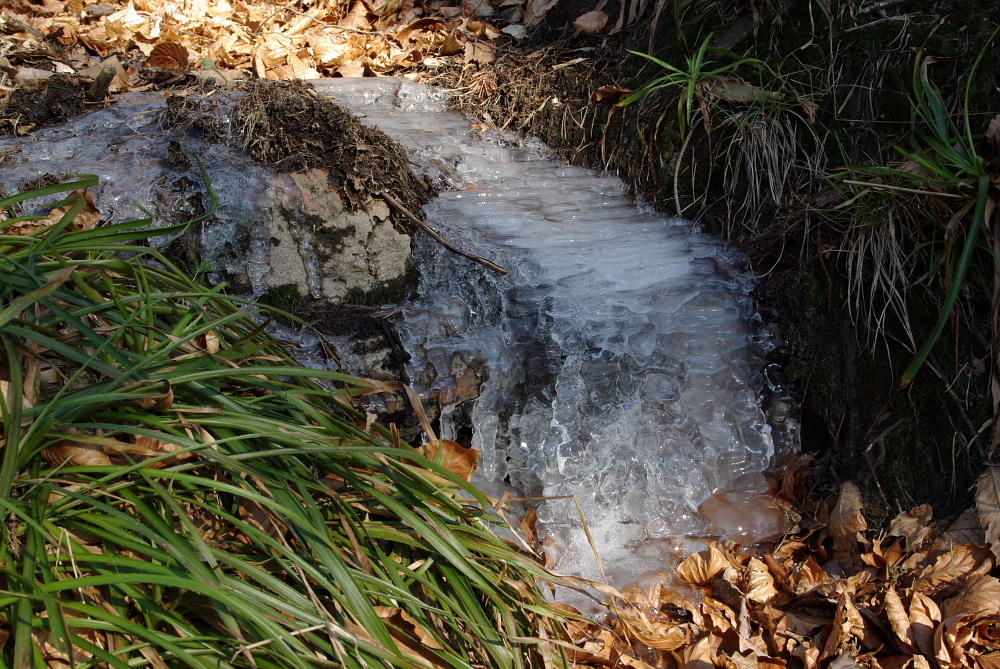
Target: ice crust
[618, 368]
[123, 145]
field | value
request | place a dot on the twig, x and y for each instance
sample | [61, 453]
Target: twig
[438, 238]
[902, 189]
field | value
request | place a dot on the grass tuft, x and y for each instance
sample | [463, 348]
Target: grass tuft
[179, 492]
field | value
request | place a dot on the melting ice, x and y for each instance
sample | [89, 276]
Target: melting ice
[615, 359]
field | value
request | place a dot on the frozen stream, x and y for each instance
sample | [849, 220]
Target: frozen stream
[616, 362]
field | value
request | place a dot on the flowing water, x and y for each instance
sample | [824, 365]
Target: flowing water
[618, 371]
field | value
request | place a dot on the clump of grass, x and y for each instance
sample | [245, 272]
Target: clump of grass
[178, 492]
[935, 220]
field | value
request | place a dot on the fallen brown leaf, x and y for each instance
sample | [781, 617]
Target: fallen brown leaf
[454, 457]
[847, 522]
[988, 506]
[590, 23]
[699, 568]
[913, 525]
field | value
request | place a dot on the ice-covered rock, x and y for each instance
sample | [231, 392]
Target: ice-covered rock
[287, 234]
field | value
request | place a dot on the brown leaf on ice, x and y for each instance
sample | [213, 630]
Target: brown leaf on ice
[847, 522]
[86, 219]
[913, 525]
[699, 568]
[454, 457]
[988, 506]
[590, 23]
[527, 526]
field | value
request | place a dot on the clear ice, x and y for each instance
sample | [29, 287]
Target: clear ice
[615, 353]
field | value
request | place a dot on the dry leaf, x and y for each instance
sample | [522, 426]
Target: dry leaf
[988, 506]
[846, 525]
[168, 56]
[950, 571]
[913, 525]
[699, 568]
[478, 52]
[454, 457]
[895, 612]
[611, 94]
[590, 23]
[963, 530]
[535, 11]
[256, 515]
[759, 582]
[72, 453]
[979, 597]
[924, 617]
[6, 391]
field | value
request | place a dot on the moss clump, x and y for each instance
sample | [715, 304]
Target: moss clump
[285, 297]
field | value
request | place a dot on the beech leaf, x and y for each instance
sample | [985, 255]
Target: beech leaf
[590, 23]
[988, 506]
[846, 525]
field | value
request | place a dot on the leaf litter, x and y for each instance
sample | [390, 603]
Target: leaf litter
[827, 594]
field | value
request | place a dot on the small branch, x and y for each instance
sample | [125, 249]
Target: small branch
[438, 238]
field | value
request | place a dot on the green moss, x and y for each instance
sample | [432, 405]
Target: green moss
[286, 297]
[388, 292]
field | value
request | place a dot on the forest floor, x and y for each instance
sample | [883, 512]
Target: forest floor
[832, 591]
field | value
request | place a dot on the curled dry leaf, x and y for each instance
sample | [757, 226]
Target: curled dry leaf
[924, 616]
[951, 570]
[611, 94]
[963, 530]
[5, 391]
[988, 506]
[699, 568]
[913, 525]
[168, 56]
[256, 515]
[86, 219]
[590, 23]
[72, 453]
[759, 582]
[899, 621]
